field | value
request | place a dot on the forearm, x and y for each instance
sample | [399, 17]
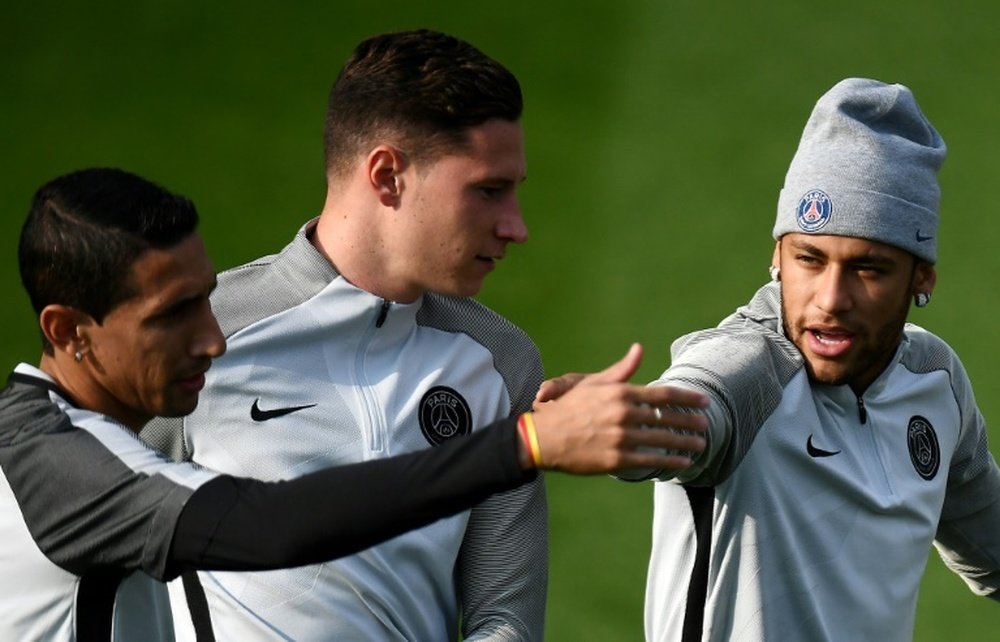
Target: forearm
[969, 542]
[240, 524]
[960, 546]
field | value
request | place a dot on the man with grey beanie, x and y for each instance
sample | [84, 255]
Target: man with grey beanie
[844, 442]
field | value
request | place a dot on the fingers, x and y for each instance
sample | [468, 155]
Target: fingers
[621, 370]
[668, 417]
[668, 439]
[618, 372]
[643, 454]
[652, 463]
[663, 396]
[556, 387]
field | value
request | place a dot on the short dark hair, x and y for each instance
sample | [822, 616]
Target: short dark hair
[84, 232]
[423, 87]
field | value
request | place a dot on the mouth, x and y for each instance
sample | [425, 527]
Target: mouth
[488, 261]
[829, 342]
[194, 383]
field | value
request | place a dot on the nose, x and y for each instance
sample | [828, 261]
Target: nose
[832, 293]
[209, 340]
[511, 225]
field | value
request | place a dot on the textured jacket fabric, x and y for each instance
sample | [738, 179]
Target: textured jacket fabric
[812, 512]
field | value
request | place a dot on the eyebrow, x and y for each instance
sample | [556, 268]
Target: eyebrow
[497, 179]
[868, 258]
[803, 246]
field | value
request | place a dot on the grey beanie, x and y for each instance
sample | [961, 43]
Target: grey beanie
[866, 167]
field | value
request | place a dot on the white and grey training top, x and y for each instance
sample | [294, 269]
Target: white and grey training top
[319, 372]
[84, 507]
[812, 512]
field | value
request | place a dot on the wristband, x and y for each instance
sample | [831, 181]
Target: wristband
[526, 426]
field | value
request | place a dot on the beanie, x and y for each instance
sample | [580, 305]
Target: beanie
[866, 167]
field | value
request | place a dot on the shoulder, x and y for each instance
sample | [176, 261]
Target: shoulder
[732, 350]
[27, 411]
[515, 355]
[926, 352]
[469, 317]
[748, 344]
[270, 284]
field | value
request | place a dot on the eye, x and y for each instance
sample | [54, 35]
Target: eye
[179, 310]
[491, 192]
[870, 270]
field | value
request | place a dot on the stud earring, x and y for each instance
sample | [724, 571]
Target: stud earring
[78, 356]
[775, 273]
[921, 299]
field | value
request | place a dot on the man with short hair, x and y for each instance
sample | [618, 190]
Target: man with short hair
[843, 442]
[358, 341]
[120, 281]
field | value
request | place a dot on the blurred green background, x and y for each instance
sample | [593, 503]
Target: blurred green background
[658, 135]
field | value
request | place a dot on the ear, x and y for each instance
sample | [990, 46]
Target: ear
[385, 167]
[776, 255]
[66, 328]
[924, 278]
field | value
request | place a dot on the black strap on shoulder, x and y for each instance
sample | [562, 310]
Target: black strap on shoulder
[198, 606]
[95, 604]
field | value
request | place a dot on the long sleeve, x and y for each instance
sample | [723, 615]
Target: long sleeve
[234, 523]
[503, 567]
[968, 535]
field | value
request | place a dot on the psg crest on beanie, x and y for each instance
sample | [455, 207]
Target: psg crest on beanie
[923, 444]
[444, 414]
[813, 211]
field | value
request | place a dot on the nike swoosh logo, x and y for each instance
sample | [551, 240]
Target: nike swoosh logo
[818, 452]
[921, 238]
[263, 415]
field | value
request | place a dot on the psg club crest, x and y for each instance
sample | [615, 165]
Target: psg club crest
[813, 211]
[444, 414]
[923, 444]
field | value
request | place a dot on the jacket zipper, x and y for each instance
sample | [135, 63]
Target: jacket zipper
[375, 428]
[873, 446]
[382, 313]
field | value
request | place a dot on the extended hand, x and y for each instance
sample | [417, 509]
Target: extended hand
[600, 423]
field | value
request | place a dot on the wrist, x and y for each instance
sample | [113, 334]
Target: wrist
[529, 452]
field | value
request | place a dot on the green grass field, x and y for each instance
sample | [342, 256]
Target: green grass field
[658, 137]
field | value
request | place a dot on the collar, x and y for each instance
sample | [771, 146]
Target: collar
[30, 375]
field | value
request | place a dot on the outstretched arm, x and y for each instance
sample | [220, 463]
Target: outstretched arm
[234, 523]
[598, 423]
[594, 428]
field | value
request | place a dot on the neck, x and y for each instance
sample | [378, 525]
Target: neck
[75, 380]
[351, 239]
